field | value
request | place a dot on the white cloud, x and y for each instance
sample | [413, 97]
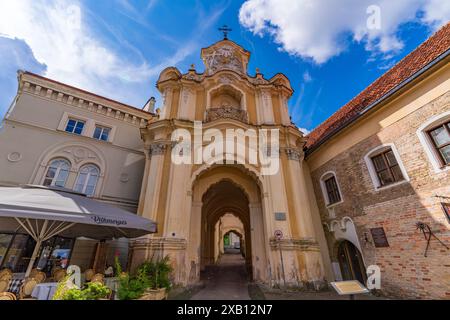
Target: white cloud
[317, 29]
[307, 77]
[59, 36]
[305, 131]
[437, 12]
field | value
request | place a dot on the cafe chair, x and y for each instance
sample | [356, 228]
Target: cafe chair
[39, 276]
[7, 296]
[6, 274]
[55, 269]
[59, 275]
[98, 277]
[33, 273]
[4, 284]
[88, 274]
[27, 288]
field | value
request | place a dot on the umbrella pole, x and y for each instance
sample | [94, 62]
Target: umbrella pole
[39, 240]
[33, 257]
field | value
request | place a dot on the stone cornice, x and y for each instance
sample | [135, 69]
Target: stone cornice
[54, 91]
[302, 244]
[157, 243]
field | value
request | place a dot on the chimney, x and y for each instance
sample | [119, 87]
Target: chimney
[150, 105]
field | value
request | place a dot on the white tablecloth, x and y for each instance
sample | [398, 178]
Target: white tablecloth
[44, 291]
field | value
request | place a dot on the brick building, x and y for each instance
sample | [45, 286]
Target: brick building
[380, 165]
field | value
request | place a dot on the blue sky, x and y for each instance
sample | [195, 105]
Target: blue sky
[117, 48]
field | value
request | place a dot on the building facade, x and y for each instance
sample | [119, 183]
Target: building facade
[57, 135]
[385, 170]
[222, 98]
[369, 188]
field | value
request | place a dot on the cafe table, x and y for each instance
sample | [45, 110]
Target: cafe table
[44, 291]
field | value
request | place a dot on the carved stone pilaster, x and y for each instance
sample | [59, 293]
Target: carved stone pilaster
[294, 154]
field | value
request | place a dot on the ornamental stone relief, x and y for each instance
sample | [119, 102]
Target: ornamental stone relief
[294, 154]
[223, 58]
[187, 92]
[14, 157]
[79, 154]
[226, 113]
[193, 76]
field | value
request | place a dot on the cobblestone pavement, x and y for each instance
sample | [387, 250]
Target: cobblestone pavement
[311, 295]
[227, 280]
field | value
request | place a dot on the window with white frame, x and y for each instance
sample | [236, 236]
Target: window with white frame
[434, 135]
[385, 166]
[330, 188]
[440, 136]
[87, 179]
[57, 173]
[101, 133]
[75, 126]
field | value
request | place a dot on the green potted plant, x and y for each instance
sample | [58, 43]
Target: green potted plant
[151, 281]
[92, 291]
[158, 273]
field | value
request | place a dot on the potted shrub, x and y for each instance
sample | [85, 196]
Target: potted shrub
[158, 273]
[151, 281]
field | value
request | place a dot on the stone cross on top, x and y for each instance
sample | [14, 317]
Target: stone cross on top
[225, 29]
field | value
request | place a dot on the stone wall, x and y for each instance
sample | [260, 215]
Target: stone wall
[405, 271]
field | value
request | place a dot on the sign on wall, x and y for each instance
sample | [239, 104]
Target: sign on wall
[280, 216]
[379, 237]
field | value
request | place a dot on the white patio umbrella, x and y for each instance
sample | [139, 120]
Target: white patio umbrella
[44, 212]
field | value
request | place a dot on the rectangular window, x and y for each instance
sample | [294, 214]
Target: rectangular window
[75, 126]
[446, 208]
[101, 133]
[332, 190]
[441, 140]
[387, 168]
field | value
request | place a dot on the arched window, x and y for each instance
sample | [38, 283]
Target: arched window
[330, 188]
[87, 179]
[57, 173]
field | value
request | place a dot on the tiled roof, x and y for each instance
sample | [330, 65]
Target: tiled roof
[423, 55]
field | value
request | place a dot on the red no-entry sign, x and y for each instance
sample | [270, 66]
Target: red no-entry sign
[278, 234]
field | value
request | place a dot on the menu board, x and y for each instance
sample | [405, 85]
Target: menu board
[349, 287]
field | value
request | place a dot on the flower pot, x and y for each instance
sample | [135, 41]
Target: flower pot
[157, 294]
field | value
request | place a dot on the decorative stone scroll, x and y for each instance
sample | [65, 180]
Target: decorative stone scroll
[294, 154]
[157, 148]
[226, 113]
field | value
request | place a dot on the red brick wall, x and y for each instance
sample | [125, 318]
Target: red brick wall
[405, 272]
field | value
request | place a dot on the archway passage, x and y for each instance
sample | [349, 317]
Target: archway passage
[351, 262]
[222, 202]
